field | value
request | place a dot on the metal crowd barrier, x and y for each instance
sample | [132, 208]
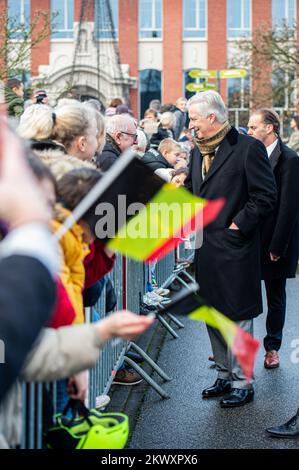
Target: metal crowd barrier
[128, 278]
[101, 376]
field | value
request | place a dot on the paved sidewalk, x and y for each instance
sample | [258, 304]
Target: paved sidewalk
[187, 422]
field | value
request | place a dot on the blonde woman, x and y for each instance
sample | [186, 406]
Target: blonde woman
[73, 128]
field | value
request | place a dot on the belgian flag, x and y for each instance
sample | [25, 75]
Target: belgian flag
[136, 213]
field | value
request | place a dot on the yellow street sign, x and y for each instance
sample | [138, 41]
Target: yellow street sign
[233, 73]
[193, 87]
[203, 73]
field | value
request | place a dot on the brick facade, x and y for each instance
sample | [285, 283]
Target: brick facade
[261, 72]
[40, 53]
[172, 51]
[128, 42]
[87, 12]
[217, 39]
[3, 9]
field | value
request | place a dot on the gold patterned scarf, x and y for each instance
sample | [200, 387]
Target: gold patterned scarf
[207, 147]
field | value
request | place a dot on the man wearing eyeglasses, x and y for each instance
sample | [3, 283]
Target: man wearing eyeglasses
[121, 135]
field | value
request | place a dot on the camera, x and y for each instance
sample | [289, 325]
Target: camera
[40, 97]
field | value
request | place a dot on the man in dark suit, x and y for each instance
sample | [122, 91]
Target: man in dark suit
[227, 265]
[28, 260]
[279, 253]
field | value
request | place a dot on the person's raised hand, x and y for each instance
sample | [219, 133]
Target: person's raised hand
[77, 386]
[181, 163]
[123, 324]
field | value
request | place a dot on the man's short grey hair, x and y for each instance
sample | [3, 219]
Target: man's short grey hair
[120, 123]
[209, 102]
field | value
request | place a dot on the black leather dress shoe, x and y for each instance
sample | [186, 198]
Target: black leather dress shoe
[237, 397]
[288, 430]
[220, 387]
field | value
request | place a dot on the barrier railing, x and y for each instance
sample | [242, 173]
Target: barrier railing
[128, 278]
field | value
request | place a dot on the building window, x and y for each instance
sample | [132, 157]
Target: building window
[150, 88]
[284, 13]
[106, 19]
[238, 92]
[63, 23]
[238, 18]
[18, 17]
[283, 88]
[150, 18]
[194, 18]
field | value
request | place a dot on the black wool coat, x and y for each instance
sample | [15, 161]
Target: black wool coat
[160, 135]
[280, 232]
[227, 265]
[109, 156]
[27, 299]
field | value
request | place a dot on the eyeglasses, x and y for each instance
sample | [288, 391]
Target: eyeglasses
[135, 136]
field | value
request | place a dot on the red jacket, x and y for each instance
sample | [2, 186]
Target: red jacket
[64, 313]
[97, 263]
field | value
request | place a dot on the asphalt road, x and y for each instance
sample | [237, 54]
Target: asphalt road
[187, 422]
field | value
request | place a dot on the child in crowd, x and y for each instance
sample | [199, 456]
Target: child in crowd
[149, 124]
[71, 189]
[111, 110]
[166, 156]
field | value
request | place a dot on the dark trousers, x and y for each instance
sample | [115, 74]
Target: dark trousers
[276, 300]
[227, 365]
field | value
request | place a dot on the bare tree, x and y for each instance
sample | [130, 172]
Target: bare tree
[272, 55]
[18, 39]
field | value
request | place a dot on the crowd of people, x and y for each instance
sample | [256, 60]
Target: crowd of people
[63, 152]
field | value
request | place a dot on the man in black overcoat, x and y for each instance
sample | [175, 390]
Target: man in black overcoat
[279, 252]
[227, 265]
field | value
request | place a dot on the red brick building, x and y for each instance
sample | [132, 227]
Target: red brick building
[158, 41]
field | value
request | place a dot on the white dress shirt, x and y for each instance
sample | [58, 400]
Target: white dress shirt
[271, 147]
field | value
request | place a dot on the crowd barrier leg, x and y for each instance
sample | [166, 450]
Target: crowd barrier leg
[175, 320]
[191, 278]
[146, 377]
[167, 326]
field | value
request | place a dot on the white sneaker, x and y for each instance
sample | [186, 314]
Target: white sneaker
[161, 291]
[102, 401]
[151, 298]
